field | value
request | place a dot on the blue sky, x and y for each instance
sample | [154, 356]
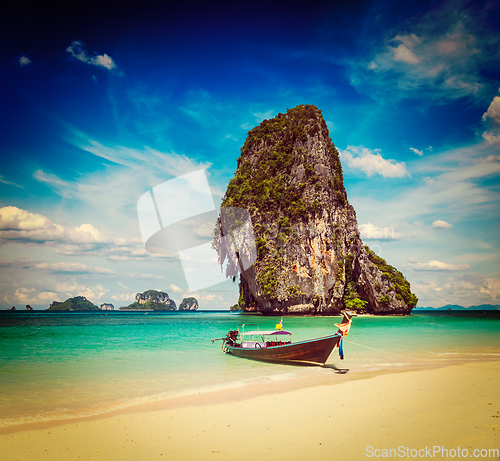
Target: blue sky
[100, 104]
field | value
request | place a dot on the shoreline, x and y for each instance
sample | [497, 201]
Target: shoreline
[237, 390]
[446, 405]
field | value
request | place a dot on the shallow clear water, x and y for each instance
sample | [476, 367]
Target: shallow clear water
[59, 365]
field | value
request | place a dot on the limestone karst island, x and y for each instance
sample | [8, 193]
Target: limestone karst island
[150, 300]
[310, 256]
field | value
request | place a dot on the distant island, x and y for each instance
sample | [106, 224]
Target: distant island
[456, 307]
[189, 304]
[160, 301]
[152, 300]
[78, 303]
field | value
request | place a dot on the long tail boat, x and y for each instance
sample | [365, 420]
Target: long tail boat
[276, 345]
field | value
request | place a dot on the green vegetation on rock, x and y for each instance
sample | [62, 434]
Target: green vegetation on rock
[265, 184]
[188, 304]
[401, 285]
[78, 303]
[151, 300]
[351, 297]
[149, 305]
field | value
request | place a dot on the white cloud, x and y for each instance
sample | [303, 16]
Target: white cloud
[442, 58]
[59, 267]
[491, 287]
[54, 182]
[465, 290]
[104, 61]
[231, 137]
[77, 51]
[72, 288]
[112, 193]
[13, 218]
[201, 227]
[441, 224]
[24, 61]
[493, 112]
[434, 265]
[459, 185]
[206, 297]
[23, 226]
[153, 160]
[58, 291]
[30, 296]
[416, 151]
[479, 167]
[371, 162]
[175, 288]
[492, 118]
[402, 53]
[9, 183]
[371, 232]
[261, 116]
[124, 297]
[491, 138]
[142, 275]
[77, 267]
[425, 287]
[132, 251]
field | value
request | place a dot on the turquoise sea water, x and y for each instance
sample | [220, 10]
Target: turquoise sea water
[63, 365]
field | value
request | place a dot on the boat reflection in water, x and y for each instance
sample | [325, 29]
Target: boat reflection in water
[276, 345]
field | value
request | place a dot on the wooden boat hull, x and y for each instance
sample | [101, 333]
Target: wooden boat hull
[310, 352]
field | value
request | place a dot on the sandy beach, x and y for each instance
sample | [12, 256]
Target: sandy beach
[454, 408]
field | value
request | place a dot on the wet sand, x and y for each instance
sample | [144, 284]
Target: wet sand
[450, 408]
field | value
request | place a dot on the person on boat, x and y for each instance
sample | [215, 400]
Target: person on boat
[232, 336]
[343, 330]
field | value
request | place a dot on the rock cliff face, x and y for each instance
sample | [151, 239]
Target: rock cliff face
[310, 256]
[189, 304]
